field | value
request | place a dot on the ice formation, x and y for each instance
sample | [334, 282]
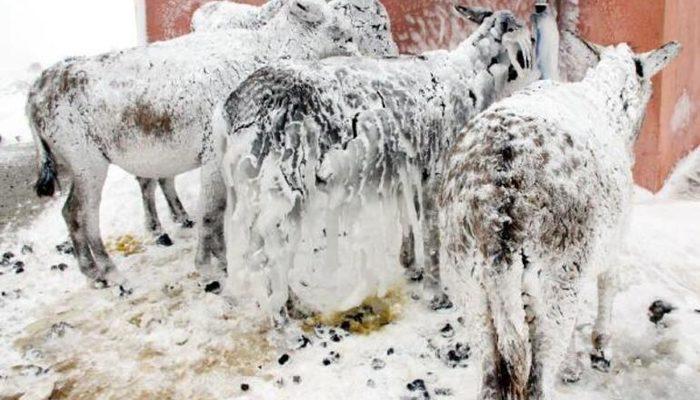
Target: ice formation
[331, 165]
[148, 109]
[546, 31]
[536, 197]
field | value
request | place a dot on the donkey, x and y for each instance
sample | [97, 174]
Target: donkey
[322, 161]
[148, 110]
[367, 16]
[224, 15]
[537, 194]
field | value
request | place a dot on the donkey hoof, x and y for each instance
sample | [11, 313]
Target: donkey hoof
[213, 287]
[440, 302]
[571, 373]
[187, 223]
[164, 240]
[600, 363]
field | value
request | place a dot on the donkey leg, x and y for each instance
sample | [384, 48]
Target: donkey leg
[601, 355]
[551, 326]
[148, 196]
[91, 186]
[572, 368]
[211, 229]
[73, 211]
[177, 211]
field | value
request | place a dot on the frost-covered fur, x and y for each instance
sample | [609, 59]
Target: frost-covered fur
[328, 163]
[536, 197]
[367, 16]
[684, 182]
[226, 15]
[148, 109]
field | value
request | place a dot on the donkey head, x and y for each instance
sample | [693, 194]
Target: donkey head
[311, 29]
[503, 41]
[630, 73]
[370, 22]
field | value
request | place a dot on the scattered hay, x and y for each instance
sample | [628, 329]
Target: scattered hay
[370, 316]
[125, 245]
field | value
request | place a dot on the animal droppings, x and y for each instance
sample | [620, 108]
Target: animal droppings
[283, 359]
[378, 363]
[658, 309]
[65, 248]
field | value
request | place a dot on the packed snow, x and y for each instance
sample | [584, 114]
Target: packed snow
[170, 339]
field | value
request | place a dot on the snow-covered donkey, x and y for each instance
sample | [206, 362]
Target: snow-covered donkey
[223, 15]
[536, 197]
[328, 163]
[367, 16]
[149, 109]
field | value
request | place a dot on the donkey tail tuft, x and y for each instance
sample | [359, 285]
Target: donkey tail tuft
[48, 177]
[513, 357]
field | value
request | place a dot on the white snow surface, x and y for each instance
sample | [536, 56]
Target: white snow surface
[37, 33]
[170, 339]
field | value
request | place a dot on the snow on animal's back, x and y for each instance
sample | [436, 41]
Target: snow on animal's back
[565, 146]
[587, 110]
[143, 83]
[394, 110]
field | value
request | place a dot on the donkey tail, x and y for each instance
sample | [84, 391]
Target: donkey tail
[506, 306]
[47, 181]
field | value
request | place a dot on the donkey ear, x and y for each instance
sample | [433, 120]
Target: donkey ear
[656, 60]
[307, 11]
[474, 14]
[594, 50]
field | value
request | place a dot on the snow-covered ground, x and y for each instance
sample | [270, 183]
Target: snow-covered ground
[59, 339]
[37, 33]
[170, 340]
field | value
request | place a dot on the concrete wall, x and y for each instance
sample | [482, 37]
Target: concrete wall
[671, 129]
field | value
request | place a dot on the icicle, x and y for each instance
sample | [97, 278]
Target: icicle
[544, 21]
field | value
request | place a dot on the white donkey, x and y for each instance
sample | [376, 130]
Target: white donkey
[328, 163]
[148, 110]
[536, 197]
[367, 16]
[226, 15]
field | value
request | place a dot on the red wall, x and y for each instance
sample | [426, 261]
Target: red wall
[421, 25]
